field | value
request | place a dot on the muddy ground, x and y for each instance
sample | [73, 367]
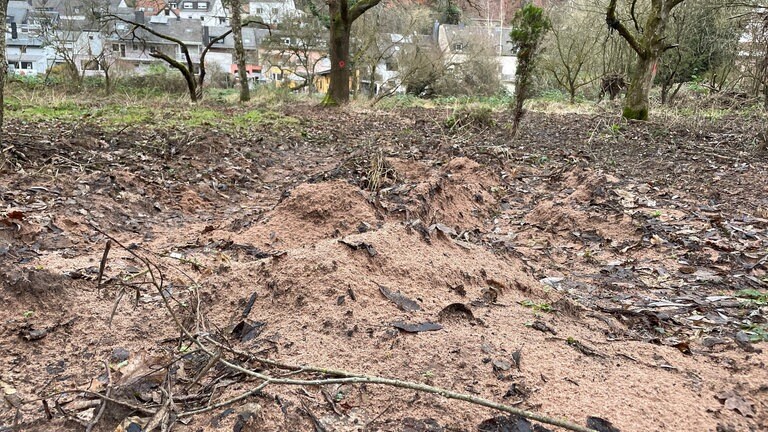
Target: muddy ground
[589, 268]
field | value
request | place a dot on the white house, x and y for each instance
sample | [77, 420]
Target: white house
[454, 40]
[209, 12]
[273, 11]
[26, 52]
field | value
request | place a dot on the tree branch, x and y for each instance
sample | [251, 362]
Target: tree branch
[614, 23]
[360, 7]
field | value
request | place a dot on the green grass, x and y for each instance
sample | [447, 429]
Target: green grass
[263, 117]
[64, 110]
[220, 108]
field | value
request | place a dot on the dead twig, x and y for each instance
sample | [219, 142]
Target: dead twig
[103, 263]
[103, 406]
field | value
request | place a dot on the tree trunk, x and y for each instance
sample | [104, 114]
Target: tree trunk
[3, 68]
[191, 85]
[338, 90]
[342, 17]
[636, 102]
[372, 85]
[237, 35]
[665, 88]
[107, 82]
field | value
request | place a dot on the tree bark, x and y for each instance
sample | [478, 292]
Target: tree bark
[636, 103]
[3, 68]
[235, 7]
[338, 90]
[107, 82]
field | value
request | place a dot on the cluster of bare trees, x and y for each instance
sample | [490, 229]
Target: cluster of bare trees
[708, 45]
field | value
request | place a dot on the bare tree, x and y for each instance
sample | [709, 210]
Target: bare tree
[571, 51]
[379, 36]
[298, 47]
[72, 43]
[187, 67]
[648, 42]
[706, 42]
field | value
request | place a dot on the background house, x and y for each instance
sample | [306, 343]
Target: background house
[457, 40]
[273, 11]
[27, 54]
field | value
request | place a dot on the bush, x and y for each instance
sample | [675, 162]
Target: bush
[158, 79]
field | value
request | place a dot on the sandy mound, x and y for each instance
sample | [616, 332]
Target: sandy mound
[312, 212]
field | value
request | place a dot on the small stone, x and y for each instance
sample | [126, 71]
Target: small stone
[120, 355]
[501, 365]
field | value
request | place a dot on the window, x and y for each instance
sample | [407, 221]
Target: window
[135, 46]
[202, 6]
[286, 41]
[458, 46]
[274, 11]
[23, 49]
[189, 5]
[120, 48]
[26, 65]
[173, 5]
[222, 20]
[259, 11]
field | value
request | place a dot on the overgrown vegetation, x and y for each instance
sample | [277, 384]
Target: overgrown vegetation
[529, 26]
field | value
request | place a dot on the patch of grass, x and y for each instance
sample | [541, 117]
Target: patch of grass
[539, 307]
[753, 297]
[65, 110]
[231, 95]
[478, 116]
[404, 101]
[536, 159]
[756, 332]
[120, 116]
[271, 96]
[200, 116]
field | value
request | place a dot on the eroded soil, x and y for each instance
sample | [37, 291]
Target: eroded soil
[581, 270]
